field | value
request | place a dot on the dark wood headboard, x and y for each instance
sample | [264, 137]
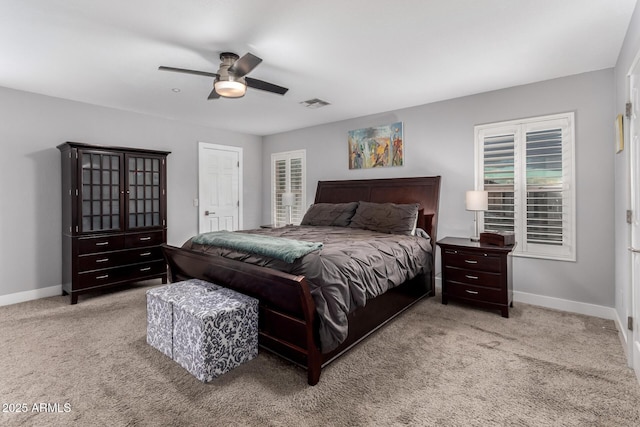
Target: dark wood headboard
[422, 190]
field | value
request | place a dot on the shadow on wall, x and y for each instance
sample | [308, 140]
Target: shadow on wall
[41, 220]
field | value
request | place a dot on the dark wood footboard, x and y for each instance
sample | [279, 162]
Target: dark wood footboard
[287, 312]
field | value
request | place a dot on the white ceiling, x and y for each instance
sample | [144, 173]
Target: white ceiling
[362, 56]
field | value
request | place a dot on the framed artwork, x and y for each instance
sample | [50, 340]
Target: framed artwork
[377, 146]
[619, 134]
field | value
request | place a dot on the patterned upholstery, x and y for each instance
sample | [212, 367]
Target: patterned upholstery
[205, 328]
[160, 302]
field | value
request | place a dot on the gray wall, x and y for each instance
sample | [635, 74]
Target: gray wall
[439, 141]
[31, 128]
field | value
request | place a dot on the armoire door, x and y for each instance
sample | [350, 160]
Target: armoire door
[145, 191]
[100, 191]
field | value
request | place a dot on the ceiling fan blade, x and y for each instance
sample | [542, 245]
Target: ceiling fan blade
[244, 65]
[269, 87]
[182, 70]
[213, 94]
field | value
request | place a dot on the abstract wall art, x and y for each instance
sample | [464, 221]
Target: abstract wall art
[377, 146]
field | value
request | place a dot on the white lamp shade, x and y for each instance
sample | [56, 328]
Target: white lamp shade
[287, 199]
[230, 88]
[477, 200]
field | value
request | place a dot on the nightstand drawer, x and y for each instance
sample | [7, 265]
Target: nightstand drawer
[473, 277]
[472, 260]
[477, 293]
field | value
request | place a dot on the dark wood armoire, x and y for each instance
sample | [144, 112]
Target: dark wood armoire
[114, 216]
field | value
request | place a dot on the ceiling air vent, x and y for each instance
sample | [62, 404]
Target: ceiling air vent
[314, 103]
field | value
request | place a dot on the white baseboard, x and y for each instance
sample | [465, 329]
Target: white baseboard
[527, 298]
[556, 303]
[51, 291]
[565, 305]
[623, 334]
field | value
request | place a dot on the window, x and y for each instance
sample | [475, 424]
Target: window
[288, 176]
[527, 166]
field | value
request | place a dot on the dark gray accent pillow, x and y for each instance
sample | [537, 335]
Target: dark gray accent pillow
[330, 214]
[386, 217]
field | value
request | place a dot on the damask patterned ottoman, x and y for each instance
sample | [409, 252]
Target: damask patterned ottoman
[215, 333]
[160, 303]
[212, 329]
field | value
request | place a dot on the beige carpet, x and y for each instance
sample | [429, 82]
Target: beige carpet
[436, 365]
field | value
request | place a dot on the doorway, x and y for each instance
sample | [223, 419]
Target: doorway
[219, 187]
[634, 186]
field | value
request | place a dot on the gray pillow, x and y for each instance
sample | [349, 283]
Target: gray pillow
[330, 214]
[386, 217]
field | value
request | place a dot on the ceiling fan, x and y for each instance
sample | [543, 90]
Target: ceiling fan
[231, 80]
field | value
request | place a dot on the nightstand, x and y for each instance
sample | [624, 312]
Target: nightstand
[477, 273]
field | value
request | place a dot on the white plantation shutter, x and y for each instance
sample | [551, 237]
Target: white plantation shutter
[499, 177]
[288, 176]
[527, 166]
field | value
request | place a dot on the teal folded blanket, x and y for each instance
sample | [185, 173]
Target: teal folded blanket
[287, 250]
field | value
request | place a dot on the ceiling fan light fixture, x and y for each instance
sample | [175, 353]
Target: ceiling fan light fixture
[230, 80]
[230, 88]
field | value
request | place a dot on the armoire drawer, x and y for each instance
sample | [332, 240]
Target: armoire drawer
[118, 258]
[140, 240]
[95, 244]
[97, 278]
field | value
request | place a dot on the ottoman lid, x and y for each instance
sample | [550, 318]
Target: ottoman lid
[175, 292]
[208, 304]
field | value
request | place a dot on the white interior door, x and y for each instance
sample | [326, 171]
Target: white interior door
[220, 187]
[634, 156]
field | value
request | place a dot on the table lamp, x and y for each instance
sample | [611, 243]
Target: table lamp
[287, 200]
[477, 201]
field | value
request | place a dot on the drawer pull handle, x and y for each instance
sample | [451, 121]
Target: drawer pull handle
[468, 276]
[145, 238]
[145, 254]
[104, 276]
[449, 251]
[102, 243]
[145, 269]
[102, 260]
[470, 261]
[471, 292]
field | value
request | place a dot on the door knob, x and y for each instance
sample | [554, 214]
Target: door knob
[207, 213]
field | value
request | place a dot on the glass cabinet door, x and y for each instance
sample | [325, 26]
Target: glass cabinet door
[144, 191]
[100, 191]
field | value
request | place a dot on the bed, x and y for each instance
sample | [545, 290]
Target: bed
[291, 319]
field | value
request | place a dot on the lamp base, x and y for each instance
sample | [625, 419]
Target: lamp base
[476, 236]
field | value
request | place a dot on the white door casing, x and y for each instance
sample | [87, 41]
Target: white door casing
[634, 171]
[219, 187]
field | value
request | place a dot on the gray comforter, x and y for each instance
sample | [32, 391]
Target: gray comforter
[353, 266]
